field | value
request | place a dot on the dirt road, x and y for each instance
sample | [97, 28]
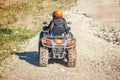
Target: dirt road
[97, 59]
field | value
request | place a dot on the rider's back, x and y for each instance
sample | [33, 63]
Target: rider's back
[59, 25]
[59, 21]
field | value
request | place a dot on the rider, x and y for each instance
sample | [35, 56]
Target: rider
[58, 24]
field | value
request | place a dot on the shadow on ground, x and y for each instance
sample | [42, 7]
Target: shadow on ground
[33, 58]
[30, 57]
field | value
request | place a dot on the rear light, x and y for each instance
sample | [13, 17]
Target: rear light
[59, 41]
[71, 42]
[46, 41]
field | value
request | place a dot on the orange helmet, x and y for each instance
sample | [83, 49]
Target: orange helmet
[58, 13]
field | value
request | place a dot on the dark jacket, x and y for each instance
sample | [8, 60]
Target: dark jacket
[58, 25]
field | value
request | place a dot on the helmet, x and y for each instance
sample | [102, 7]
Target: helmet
[58, 13]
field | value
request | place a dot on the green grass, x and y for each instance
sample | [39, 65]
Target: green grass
[0, 65]
[15, 35]
[3, 56]
[0, 75]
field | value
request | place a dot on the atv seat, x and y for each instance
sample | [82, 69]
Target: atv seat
[59, 30]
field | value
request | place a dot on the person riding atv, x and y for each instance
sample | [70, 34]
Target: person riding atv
[58, 25]
[57, 42]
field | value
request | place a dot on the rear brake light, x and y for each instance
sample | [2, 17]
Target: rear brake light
[46, 41]
[70, 42]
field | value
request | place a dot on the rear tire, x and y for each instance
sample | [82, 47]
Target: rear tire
[72, 57]
[43, 57]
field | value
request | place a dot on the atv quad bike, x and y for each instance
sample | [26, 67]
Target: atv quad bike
[57, 47]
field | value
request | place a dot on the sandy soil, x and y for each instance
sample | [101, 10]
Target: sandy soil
[104, 11]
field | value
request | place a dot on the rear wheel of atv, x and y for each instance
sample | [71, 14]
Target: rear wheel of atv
[72, 57]
[43, 57]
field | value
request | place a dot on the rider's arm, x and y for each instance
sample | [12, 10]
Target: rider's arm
[51, 25]
[66, 26]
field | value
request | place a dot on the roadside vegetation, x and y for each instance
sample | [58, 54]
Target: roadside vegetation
[23, 20]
